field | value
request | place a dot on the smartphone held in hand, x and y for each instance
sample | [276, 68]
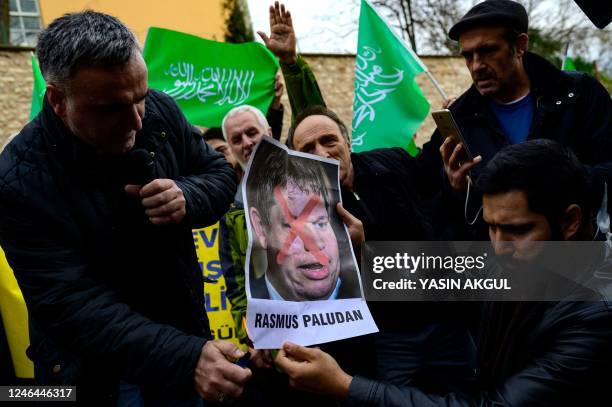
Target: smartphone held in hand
[448, 128]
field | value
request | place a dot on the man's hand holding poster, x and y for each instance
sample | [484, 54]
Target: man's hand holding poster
[303, 284]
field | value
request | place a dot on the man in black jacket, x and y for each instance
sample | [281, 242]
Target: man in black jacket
[417, 342]
[516, 96]
[98, 196]
[554, 353]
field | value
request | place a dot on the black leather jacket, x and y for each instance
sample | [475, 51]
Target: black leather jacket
[109, 295]
[530, 354]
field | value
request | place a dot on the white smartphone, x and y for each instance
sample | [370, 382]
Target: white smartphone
[448, 128]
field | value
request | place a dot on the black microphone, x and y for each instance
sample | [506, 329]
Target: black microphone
[140, 168]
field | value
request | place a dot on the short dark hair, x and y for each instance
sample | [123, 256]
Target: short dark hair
[316, 111]
[213, 133]
[276, 168]
[84, 39]
[549, 173]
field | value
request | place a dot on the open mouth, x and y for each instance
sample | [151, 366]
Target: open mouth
[314, 271]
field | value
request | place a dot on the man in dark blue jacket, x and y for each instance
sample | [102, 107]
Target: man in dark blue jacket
[98, 196]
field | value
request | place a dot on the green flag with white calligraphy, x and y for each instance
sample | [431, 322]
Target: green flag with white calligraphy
[208, 78]
[38, 89]
[388, 106]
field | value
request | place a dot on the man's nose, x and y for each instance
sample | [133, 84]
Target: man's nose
[477, 63]
[247, 141]
[316, 240]
[501, 243]
[321, 151]
[135, 117]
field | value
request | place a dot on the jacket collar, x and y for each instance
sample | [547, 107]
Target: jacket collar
[546, 81]
[545, 78]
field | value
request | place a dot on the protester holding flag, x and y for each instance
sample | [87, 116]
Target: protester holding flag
[516, 95]
[97, 203]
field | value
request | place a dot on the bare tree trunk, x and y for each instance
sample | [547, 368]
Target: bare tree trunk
[407, 7]
[412, 26]
[4, 22]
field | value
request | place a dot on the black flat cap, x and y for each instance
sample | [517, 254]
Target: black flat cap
[506, 13]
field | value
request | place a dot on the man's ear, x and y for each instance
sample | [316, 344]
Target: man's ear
[258, 227]
[522, 42]
[57, 100]
[571, 222]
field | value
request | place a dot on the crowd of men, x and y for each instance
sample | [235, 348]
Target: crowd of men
[99, 194]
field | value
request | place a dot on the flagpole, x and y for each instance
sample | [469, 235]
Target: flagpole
[563, 65]
[437, 85]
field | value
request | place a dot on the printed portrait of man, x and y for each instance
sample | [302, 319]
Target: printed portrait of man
[292, 213]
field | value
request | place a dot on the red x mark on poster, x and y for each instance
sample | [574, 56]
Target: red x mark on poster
[297, 228]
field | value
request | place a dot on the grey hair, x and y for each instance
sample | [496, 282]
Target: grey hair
[261, 119]
[84, 39]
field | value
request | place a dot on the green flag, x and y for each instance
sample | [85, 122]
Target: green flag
[568, 64]
[388, 105]
[38, 90]
[208, 78]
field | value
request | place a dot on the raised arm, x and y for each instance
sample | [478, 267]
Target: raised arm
[302, 87]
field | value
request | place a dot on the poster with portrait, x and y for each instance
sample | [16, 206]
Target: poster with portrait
[302, 280]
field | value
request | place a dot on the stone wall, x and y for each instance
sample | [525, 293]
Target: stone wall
[335, 75]
[15, 90]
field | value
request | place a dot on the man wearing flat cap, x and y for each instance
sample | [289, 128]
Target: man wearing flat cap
[516, 95]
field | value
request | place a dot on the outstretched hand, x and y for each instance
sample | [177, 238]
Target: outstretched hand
[281, 41]
[313, 370]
